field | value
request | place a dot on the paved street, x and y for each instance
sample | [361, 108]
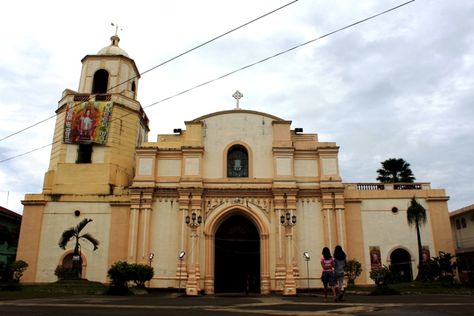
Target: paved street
[170, 304]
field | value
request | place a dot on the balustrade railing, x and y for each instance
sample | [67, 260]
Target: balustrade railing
[387, 186]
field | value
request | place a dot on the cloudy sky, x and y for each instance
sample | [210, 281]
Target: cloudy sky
[400, 85]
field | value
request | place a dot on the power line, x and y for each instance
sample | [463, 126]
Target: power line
[27, 152]
[243, 68]
[161, 64]
[276, 55]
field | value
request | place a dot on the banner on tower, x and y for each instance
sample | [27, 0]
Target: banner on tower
[87, 122]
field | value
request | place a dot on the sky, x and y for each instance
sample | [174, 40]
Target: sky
[397, 86]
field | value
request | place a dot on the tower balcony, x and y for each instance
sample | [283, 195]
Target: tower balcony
[376, 186]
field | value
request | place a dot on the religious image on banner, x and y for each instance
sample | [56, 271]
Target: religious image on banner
[375, 258]
[87, 122]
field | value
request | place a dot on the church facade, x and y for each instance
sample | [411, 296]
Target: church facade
[234, 200]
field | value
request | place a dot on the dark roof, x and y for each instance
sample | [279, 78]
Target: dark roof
[7, 213]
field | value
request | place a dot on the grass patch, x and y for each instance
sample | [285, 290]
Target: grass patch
[432, 287]
[417, 287]
[60, 288]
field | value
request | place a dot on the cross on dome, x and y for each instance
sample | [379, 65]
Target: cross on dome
[237, 96]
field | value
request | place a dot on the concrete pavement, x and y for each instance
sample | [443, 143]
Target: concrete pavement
[172, 304]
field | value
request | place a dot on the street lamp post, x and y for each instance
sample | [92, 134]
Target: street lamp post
[288, 221]
[150, 259]
[307, 258]
[180, 257]
[193, 221]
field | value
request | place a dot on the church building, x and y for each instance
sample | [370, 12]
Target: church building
[237, 197]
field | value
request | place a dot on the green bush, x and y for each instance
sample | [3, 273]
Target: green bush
[353, 269]
[121, 273]
[140, 273]
[381, 276]
[64, 273]
[439, 268]
[17, 268]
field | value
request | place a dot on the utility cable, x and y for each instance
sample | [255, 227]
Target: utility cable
[242, 68]
[159, 65]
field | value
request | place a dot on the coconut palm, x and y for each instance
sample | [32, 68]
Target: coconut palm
[395, 170]
[75, 234]
[416, 215]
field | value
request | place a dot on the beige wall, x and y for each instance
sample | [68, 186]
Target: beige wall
[308, 237]
[381, 227]
[30, 234]
[355, 248]
[252, 130]
[166, 240]
[59, 216]
[118, 234]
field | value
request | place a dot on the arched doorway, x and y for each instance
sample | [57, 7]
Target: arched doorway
[69, 263]
[237, 256]
[400, 264]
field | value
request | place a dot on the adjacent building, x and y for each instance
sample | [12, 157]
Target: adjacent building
[462, 226]
[10, 223]
[235, 198]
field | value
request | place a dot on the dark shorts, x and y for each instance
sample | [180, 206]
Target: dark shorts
[328, 277]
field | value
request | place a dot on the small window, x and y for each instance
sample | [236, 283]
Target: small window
[133, 88]
[463, 222]
[101, 80]
[84, 153]
[237, 162]
[458, 224]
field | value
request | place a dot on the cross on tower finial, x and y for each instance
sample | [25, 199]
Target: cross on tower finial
[116, 27]
[237, 96]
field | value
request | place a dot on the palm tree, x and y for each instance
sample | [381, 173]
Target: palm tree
[395, 170]
[416, 215]
[75, 234]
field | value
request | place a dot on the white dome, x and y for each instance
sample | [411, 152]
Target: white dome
[113, 48]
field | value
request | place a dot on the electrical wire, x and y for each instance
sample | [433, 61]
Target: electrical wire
[161, 64]
[241, 68]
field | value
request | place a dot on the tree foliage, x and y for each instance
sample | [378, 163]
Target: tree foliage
[121, 273]
[74, 233]
[17, 268]
[395, 170]
[381, 276]
[353, 269]
[416, 216]
[439, 268]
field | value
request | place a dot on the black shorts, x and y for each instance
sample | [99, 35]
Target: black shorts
[328, 277]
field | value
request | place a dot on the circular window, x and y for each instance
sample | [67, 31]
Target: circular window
[394, 210]
[77, 213]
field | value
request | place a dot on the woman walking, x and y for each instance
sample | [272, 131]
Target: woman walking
[339, 264]
[327, 277]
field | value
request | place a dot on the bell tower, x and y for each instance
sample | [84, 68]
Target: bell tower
[98, 127]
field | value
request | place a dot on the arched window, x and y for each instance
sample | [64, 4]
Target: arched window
[133, 87]
[101, 80]
[237, 162]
